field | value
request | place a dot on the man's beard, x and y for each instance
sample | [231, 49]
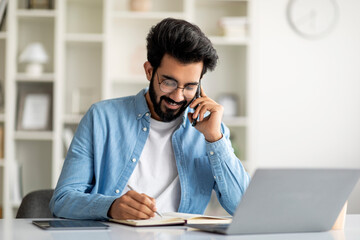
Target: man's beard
[169, 114]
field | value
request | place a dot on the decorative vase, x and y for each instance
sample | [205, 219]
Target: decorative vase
[34, 69]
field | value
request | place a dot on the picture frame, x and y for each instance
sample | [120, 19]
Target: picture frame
[34, 110]
[40, 4]
[230, 103]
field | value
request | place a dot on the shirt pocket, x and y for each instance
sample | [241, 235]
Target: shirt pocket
[204, 176]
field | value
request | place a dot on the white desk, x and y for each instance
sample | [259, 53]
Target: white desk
[18, 229]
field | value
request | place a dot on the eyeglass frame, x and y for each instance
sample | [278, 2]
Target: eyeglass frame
[183, 88]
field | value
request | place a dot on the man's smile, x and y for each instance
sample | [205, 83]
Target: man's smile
[172, 104]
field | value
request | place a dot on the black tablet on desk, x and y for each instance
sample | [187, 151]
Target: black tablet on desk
[70, 225]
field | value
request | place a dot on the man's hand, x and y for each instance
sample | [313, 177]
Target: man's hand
[209, 126]
[133, 205]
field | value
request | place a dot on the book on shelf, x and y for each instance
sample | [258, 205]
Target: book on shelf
[175, 218]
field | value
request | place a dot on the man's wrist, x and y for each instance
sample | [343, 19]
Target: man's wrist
[109, 213]
[213, 137]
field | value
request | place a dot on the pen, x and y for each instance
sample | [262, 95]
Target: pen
[131, 188]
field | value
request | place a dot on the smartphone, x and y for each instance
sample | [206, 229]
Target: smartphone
[69, 225]
[196, 96]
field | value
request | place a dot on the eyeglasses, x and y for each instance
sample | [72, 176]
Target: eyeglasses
[170, 85]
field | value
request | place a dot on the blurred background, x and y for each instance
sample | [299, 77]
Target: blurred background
[288, 78]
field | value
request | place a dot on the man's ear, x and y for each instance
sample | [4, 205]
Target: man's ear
[148, 70]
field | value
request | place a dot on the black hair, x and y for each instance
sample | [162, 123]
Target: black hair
[183, 41]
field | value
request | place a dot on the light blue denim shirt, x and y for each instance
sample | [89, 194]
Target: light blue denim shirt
[106, 148]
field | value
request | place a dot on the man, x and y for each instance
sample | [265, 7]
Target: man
[147, 142]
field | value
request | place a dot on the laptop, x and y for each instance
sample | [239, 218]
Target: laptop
[290, 201]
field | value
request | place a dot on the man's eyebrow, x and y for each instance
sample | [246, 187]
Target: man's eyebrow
[171, 78]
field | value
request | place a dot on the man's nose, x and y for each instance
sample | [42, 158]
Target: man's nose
[177, 95]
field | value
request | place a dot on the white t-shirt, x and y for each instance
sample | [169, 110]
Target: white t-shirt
[156, 173]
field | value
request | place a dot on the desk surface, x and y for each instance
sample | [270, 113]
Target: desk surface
[18, 229]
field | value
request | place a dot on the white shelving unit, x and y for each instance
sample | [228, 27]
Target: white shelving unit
[29, 154]
[97, 49]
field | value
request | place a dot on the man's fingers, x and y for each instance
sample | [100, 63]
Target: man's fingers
[202, 92]
[135, 208]
[143, 199]
[140, 202]
[151, 199]
[131, 212]
[201, 109]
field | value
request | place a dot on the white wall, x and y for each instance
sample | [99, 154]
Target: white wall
[306, 93]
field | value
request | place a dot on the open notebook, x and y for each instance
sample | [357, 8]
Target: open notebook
[175, 218]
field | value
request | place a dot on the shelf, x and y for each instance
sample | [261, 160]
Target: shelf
[2, 162]
[219, 40]
[73, 118]
[46, 77]
[84, 37]
[36, 13]
[2, 117]
[235, 121]
[3, 35]
[34, 135]
[147, 15]
[131, 79]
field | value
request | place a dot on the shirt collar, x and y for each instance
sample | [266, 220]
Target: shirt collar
[142, 109]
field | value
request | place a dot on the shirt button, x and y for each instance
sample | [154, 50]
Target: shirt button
[147, 114]
[139, 115]
[144, 129]
[133, 160]
[211, 153]
[117, 190]
[214, 177]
